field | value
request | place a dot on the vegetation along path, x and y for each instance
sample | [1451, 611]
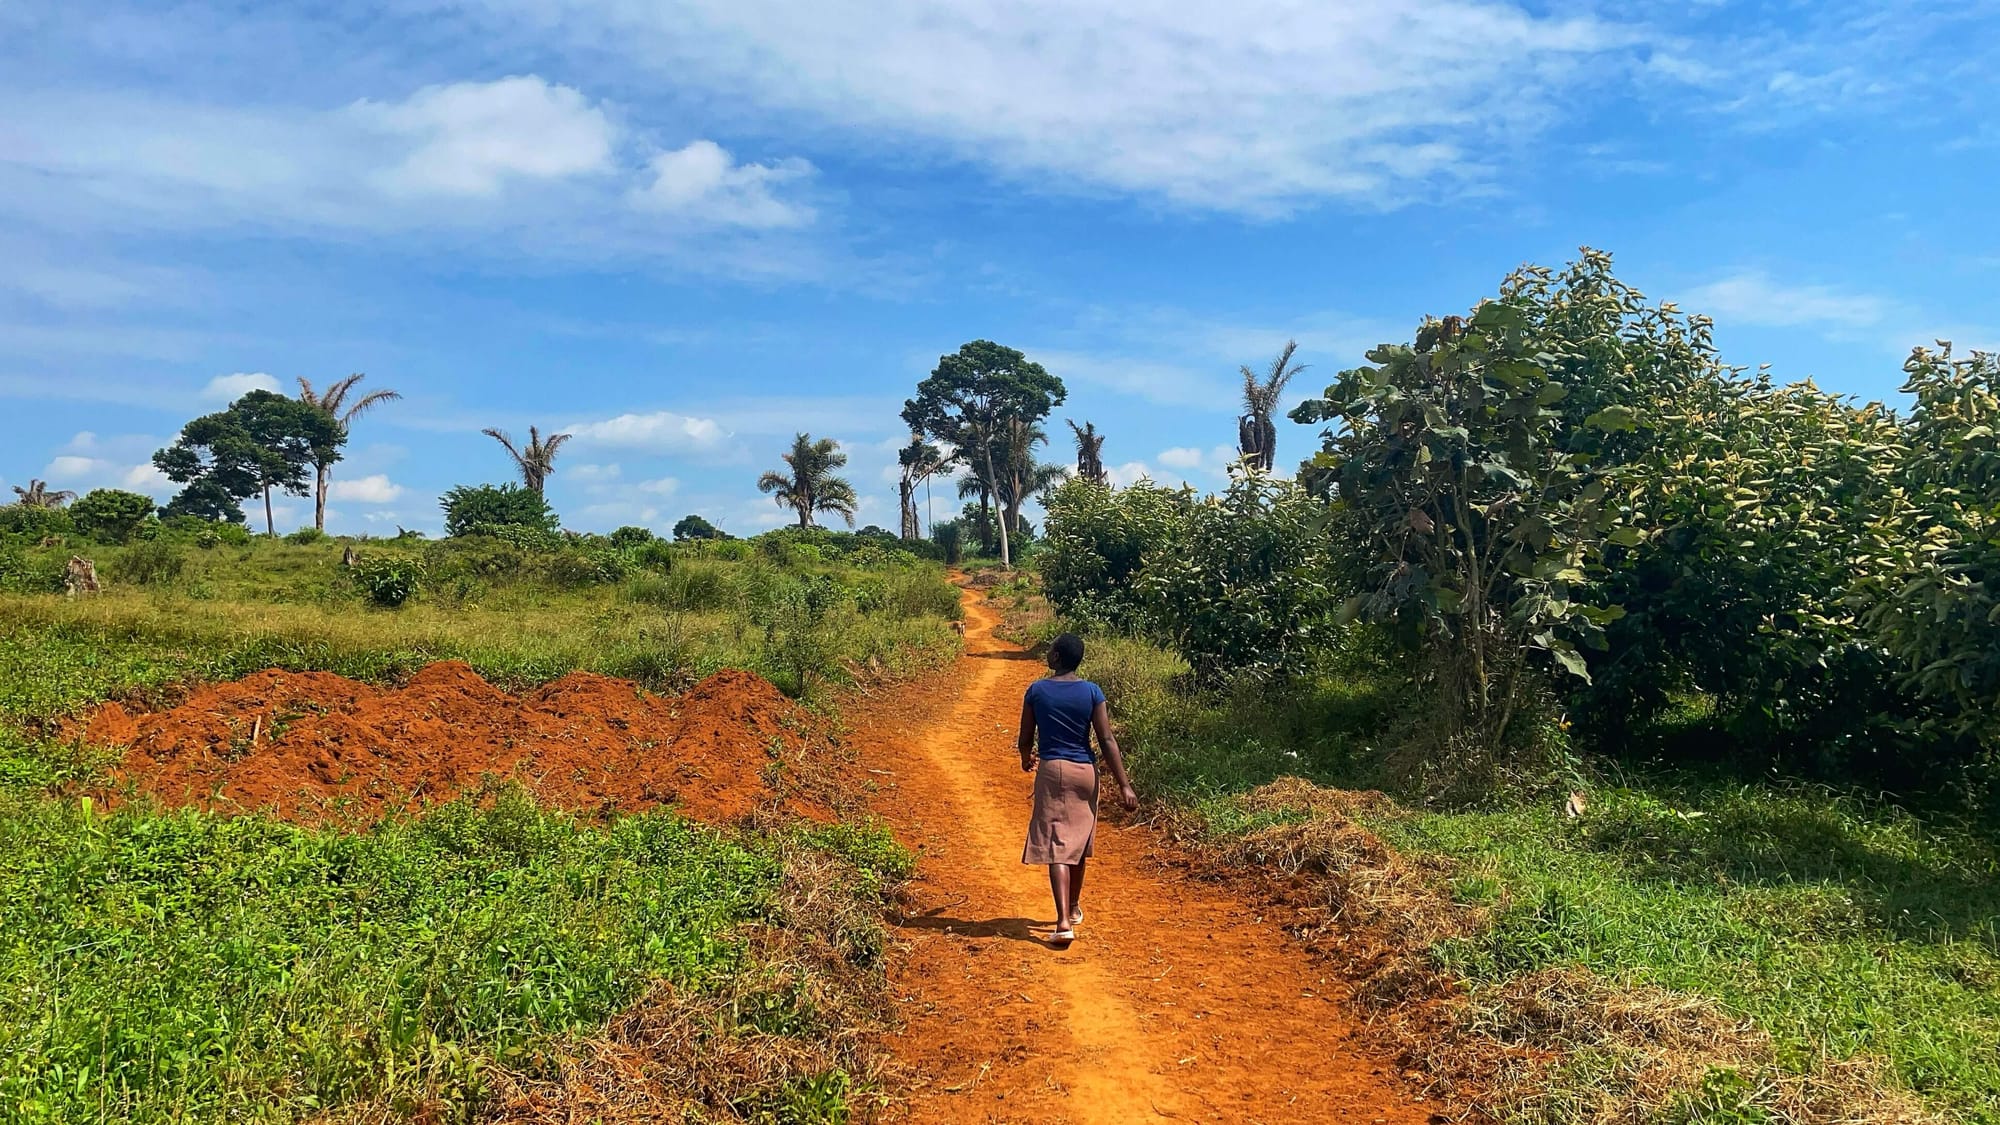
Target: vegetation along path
[1176, 1002]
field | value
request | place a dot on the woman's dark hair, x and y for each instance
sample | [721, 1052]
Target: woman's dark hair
[1065, 653]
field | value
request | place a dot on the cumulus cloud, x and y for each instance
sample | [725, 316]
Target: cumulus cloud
[704, 182]
[228, 388]
[661, 430]
[543, 159]
[1258, 106]
[1131, 472]
[664, 486]
[375, 488]
[80, 473]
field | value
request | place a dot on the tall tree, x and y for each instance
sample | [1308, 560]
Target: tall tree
[970, 398]
[1256, 435]
[808, 484]
[333, 403]
[536, 461]
[263, 442]
[919, 462]
[1089, 453]
[39, 495]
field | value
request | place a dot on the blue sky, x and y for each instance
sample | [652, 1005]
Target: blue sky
[684, 229]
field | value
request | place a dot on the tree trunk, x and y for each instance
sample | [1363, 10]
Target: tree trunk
[270, 523]
[1006, 557]
[319, 498]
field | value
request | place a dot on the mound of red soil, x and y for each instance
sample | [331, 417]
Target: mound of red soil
[314, 746]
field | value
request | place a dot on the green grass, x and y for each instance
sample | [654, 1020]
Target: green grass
[1840, 927]
[179, 966]
[175, 966]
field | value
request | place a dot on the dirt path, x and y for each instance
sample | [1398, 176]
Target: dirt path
[1174, 1004]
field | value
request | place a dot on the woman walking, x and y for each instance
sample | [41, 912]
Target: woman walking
[1057, 718]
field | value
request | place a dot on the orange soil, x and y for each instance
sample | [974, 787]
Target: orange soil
[1178, 1001]
[312, 745]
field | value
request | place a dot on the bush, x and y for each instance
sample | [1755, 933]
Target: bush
[694, 585]
[626, 537]
[578, 567]
[468, 509]
[531, 539]
[949, 537]
[654, 555]
[387, 580]
[147, 564]
[25, 572]
[305, 536]
[909, 593]
[206, 534]
[110, 515]
[35, 524]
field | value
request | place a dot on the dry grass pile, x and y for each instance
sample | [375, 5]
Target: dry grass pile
[1560, 1045]
[790, 1040]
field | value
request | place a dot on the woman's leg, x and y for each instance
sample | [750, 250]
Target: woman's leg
[1076, 890]
[1059, 885]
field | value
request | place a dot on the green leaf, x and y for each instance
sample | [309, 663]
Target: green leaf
[1614, 419]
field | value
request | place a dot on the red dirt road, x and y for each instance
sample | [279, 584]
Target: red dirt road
[1176, 1003]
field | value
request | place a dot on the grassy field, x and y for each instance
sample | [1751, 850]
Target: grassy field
[179, 966]
[1843, 928]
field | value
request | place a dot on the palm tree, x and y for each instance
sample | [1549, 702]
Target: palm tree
[537, 461]
[1089, 452]
[1256, 436]
[333, 403]
[38, 495]
[809, 486]
[1021, 476]
[920, 461]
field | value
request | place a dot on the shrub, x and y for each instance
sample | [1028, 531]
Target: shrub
[578, 567]
[35, 523]
[909, 593]
[111, 515]
[304, 536]
[695, 585]
[950, 539]
[655, 555]
[469, 510]
[25, 572]
[532, 539]
[626, 537]
[147, 564]
[206, 534]
[387, 580]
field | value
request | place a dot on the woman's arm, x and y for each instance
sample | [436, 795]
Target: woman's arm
[1100, 721]
[1026, 742]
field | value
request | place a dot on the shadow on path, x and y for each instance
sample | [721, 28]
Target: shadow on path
[1013, 929]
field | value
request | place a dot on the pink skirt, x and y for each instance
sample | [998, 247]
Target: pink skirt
[1065, 820]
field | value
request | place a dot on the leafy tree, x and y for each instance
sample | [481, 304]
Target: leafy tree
[1022, 475]
[1089, 453]
[1933, 591]
[204, 501]
[537, 460]
[34, 523]
[38, 495]
[262, 442]
[695, 527]
[471, 509]
[333, 403]
[111, 515]
[1256, 435]
[808, 485]
[626, 537]
[950, 538]
[1475, 525]
[970, 399]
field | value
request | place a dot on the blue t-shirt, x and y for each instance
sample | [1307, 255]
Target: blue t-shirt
[1062, 718]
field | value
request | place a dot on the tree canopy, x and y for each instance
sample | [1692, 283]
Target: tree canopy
[262, 442]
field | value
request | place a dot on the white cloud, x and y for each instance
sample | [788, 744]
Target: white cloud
[1181, 457]
[661, 430]
[471, 139]
[592, 473]
[81, 474]
[545, 161]
[375, 488]
[1163, 383]
[665, 486]
[229, 388]
[704, 182]
[1131, 472]
[1258, 106]
[1752, 297]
